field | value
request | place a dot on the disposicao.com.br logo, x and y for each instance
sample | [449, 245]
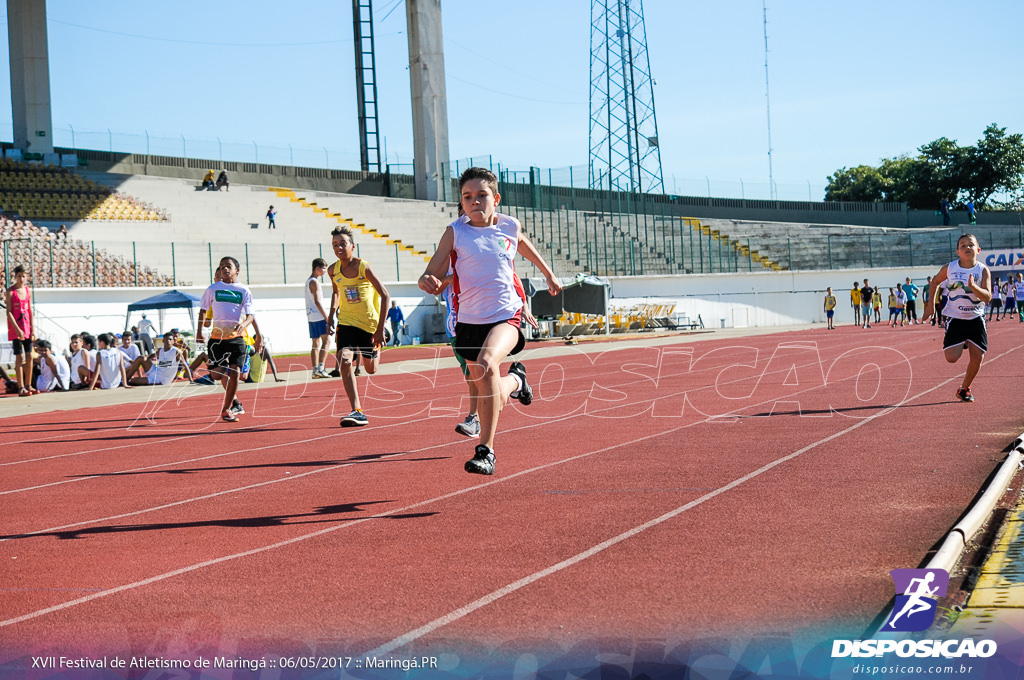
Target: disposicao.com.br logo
[914, 611]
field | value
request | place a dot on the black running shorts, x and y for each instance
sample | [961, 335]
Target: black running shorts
[469, 337]
[227, 353]
[959, 331]
[355, 339]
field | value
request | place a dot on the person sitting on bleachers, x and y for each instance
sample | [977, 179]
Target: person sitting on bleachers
[222, 180]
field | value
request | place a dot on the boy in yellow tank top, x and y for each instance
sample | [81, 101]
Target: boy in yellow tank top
[361, 302]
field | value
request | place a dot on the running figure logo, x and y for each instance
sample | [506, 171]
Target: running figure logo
[915, 608]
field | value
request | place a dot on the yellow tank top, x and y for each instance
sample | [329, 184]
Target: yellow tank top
[359, 303]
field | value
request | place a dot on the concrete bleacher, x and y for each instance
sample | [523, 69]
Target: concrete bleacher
[205, 225]
[800, 246]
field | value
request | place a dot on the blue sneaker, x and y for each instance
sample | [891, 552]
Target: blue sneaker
[205, 380]
[354, 419]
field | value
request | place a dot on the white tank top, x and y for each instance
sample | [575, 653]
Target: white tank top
[165, 368]
[77, 359]
[962, 302]
[486, 288]
[312, 313]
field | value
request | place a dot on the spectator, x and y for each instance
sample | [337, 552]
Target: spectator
[945, 212]
[316, 318]
[20, 330]
[971, 217]
[169, 360]
[109, 371]
[81, 364]
[222, 180]
[270, 218]
[397, 320]
[131, 352]
[208, 183]
[10, 385]
[63, 231]
[146, 335]
[54, 372]
[910, 291]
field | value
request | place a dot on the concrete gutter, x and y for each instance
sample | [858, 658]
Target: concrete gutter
[947, 555]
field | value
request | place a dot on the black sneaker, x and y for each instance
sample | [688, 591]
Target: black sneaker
[483, 462]
[237, 408]
[335, 373]
[525, 393]
[964, 394]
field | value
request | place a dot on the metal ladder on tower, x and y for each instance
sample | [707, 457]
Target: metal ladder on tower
[366, 85]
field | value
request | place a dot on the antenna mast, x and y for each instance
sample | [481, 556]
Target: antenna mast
[767, 102]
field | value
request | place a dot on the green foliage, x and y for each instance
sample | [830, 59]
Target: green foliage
[942, 169]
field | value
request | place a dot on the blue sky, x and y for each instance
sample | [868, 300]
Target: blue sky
[851, 82]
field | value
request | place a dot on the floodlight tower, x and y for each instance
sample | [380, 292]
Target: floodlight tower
[624, 153]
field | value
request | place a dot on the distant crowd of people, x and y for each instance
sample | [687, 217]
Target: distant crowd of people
[103, 361]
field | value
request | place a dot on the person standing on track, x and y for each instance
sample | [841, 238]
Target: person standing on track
[480, 246]
[969, 286]
[855, 303]
[867, 296]
[911, 291]
[20, 330]
[229, 305]
[830, 308]
[361, 302]
[319, 325]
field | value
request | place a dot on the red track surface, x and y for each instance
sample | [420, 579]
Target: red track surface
[728, 487]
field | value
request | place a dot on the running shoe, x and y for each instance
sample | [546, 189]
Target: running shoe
[964, 394]
[525, 393]
[483, 462]
[354, 419]
[358, 371]
[335, 373]
[205, 380]
[237, 408]
[317, 374]
[229, 416]
[470, 426]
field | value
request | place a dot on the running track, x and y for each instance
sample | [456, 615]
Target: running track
[664, 489]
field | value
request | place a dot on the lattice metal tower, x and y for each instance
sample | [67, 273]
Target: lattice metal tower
[624, 153]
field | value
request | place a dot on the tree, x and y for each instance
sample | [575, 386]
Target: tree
[862, 183]
[942, 169]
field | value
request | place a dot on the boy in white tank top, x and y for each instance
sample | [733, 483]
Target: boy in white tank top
[481, 247]
[969, 285]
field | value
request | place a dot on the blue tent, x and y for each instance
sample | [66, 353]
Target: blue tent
[172, 299]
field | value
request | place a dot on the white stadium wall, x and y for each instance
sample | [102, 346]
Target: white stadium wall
[762, 299]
